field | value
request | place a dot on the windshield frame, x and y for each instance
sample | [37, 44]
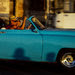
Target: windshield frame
[30, 19]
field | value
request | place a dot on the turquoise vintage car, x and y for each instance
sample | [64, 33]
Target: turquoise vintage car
[38, 44]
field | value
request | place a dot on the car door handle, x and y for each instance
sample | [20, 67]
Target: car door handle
[2, 32]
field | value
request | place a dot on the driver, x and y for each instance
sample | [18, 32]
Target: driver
[36, 22]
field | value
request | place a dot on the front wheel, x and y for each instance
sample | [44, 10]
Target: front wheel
[67, 60]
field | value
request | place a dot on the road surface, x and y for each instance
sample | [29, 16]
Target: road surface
[30, 68]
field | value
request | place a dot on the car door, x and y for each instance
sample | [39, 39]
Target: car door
[20, 45]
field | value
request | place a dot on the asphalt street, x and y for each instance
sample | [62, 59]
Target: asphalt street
[30, 68]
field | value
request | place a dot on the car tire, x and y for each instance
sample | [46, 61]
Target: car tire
[66, 60]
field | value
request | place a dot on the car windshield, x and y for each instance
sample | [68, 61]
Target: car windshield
[38, 24]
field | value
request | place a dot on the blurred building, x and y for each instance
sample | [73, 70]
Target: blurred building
[4, 10]
[22, 7]
[58, 6]
[65, 5]
[42, 9]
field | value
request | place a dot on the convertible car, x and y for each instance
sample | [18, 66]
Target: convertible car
[40, 44]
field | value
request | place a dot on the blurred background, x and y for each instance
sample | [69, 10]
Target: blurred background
[44, 10]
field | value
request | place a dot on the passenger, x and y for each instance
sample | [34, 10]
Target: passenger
[16, 23]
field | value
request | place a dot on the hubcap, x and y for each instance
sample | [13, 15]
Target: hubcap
[68, 60]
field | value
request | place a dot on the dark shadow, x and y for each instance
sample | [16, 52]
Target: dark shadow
[50, 57]
[26, 8]
[20, 54]
[14, 4]
[2, 23]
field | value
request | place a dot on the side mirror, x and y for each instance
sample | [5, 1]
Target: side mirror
[35, 30]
